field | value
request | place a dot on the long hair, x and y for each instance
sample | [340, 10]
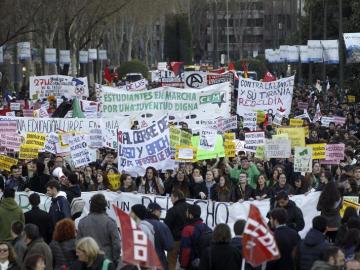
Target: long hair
[154, 185]
[225, 188]
[328, 197]
[12, 254]
[64, 230]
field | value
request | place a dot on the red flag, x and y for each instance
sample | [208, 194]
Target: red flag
[231, 66]
[137, 248]
[107, 74]
[177, 67]
[268, 77]
[259, 244]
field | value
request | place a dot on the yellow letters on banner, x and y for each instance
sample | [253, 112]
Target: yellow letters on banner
[318, 150]
[35, 139]
[6, 162]
[114, 181]
[296, 135]
[28, 152]
[229, 136]
[296, 122]
[230, 148]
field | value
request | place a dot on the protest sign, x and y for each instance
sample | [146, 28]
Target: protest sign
[277, 148]
[11, 141]
[254, 138]
[265, 96]
[334, 151]
[230, 148]
[195, 79]
[214, 78]
[35, 139]
[225, 124]
[95, 138]
[338, 120]
[175, 134]
[28, 152]
[185, 138]
[50, 55]
[114, 181]
[352, 41]
[296, 122]
[229, 136]
[83, 57]
[58, 85]
[303, 159]
[204, 154]
[212, 213]
[325, 121]
[23, 50]
[351, 99]
[260, 152]
[15, 106]
[178, 103]
[50, 144]
[318, 150]
[302, 105]
[8, 126]
[150, 146]
[278, 118]
[184, 153]
[102, 55]
[260, 117]
[249, 120]
[135, 86]
[207, 140]
[64, 56]
[6, 162]
[330, 51]
[296, 135]
[79, 150]
[92, 54]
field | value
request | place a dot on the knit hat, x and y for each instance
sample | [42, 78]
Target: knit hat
[139, 210]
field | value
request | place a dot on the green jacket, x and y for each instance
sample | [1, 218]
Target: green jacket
[10, 211]
[252, 173]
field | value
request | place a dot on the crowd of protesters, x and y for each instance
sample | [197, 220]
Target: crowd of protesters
[49, 240]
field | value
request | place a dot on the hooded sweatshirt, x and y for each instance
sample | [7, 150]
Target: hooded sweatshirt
[10, 212]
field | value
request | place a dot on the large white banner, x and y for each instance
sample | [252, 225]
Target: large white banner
[266, 96]
[135, 86]
[315, 51]
[212, 213]
[141, 148]
[178, 103]
[50, 55]
[58, 86]
[331, 51]
[304, 54]
[352, 44]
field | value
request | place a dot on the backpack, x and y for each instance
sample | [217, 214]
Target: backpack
[77, 206]
[204, 240]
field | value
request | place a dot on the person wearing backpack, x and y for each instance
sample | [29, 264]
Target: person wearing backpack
[195, 238]
[90, 257]
[60, 207]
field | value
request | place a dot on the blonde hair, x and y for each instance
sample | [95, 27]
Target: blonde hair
[91, 249]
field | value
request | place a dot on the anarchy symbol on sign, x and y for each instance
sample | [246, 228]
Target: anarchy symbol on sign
[79, 90]
[194, 80]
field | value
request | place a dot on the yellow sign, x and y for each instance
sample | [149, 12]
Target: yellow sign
[229, 136]
[307, 132]
[351, 99]
[6, 162]
[318, 150]
[28, 152]
[230, 148]
[185, 153]
[280, 136]
[296, 135]
[185, 138]
[296, 122]
[35, 139]
[114, 181]
[175, 134]
[352, 201]
[260, 117]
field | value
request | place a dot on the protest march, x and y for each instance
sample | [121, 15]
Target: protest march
[226, 157]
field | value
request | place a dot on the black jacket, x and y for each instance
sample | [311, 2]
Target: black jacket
[310, 249]
[287, 240]
[38, 182]
[295, 218]
[196, 188]
[238, 193]
[176, 218]
[43, 220]
[220, 256]
[72, 192]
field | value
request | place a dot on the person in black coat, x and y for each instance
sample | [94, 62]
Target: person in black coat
[40, 218]
[39, 180]
[311, 248]
[221, 255]
[286, 239]
[242, 191]
[176, 219]
[295, 217]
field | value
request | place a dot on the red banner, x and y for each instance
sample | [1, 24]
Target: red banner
[137, 248]
[259, 244]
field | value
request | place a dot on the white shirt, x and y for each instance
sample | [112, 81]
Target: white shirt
[4, 266]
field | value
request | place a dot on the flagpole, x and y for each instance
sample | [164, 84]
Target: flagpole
[243, 264]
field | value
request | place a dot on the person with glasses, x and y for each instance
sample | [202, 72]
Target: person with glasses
[7, 257]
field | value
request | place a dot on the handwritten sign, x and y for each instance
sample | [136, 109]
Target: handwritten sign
[318, 150]
[303, 159]
[254, 138]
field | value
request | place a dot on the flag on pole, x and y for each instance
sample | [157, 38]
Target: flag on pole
[137, 248]
[177, 68]
[268, 77]
[259, 245]
[76, 109]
